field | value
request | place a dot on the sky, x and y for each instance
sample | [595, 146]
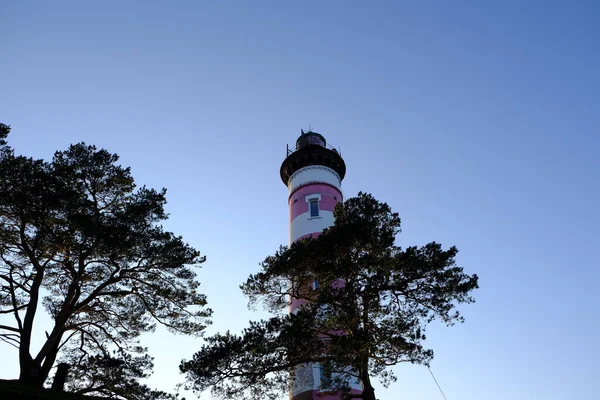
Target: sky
[477, 121]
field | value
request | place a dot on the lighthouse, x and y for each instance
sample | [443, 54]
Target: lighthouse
[313, 172]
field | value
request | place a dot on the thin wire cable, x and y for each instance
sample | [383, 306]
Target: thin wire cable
[436, 382]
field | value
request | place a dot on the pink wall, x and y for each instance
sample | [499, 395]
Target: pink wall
[296, 303]
[313, 235]
[311, 188]
[330, 196]
[333, 396]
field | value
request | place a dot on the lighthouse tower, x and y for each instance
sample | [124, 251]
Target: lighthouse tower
[313, 172]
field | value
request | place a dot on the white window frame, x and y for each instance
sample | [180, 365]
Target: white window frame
[317, 199]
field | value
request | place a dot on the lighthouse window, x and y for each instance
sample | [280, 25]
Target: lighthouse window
[314, 207]
[313, 204]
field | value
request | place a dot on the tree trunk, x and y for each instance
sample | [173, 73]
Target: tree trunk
[368, 390]
[46, 357]
[34, 372]
[29, 368]
[369, 393]
[49, 360]
[30, 372]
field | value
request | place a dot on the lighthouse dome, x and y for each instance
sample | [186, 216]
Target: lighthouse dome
[310, 138]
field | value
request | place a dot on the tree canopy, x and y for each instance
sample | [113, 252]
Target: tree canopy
[4, 131]
[80, 241]
[367, 311]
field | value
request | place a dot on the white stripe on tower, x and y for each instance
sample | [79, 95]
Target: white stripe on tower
[318, 184]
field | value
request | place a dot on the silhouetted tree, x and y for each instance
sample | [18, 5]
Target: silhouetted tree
[115, 374]
[80, 240]
[368, 312]
[4, 131]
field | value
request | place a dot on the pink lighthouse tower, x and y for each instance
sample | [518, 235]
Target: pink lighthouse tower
[313, 172]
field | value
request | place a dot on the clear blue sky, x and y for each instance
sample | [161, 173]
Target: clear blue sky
[477, 121]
